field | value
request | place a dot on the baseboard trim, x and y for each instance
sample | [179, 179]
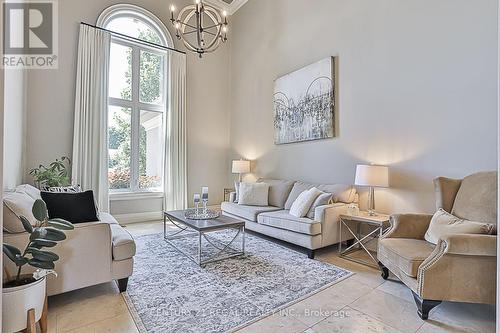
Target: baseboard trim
[138, 217]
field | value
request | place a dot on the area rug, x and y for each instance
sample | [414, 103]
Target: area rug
[170, 293]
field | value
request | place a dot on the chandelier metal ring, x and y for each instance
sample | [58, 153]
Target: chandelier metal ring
[200, 27]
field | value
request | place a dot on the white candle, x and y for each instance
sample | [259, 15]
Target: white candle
[204, 193]
[196, 197]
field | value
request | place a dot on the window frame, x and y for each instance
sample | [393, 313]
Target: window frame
[135, 105]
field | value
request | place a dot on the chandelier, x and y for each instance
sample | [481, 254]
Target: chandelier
[201, 27]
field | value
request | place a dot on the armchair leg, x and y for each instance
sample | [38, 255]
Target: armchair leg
[122, 284]
[384, 270]
[310, 254]
[424, 306]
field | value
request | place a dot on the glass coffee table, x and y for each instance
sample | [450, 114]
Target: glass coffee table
[227, 247]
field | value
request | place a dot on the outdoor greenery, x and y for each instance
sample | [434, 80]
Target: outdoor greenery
[150, 91]
[46, 233]
[56, 174]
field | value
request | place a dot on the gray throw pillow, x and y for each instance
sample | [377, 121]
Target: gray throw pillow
[278, 190]
[321, 200]
[253, 194]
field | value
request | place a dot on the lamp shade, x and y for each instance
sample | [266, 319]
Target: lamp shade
[241, 166]
[372, 175]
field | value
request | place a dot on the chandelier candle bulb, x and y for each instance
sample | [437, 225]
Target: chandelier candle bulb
[172, 10]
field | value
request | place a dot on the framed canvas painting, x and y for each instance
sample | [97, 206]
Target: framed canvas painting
[304, 103]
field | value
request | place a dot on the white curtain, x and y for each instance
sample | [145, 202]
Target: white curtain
[90, 151]
[175, 177]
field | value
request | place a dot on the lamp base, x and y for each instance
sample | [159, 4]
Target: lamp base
[371, 202]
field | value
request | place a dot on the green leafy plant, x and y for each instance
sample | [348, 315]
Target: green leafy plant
[56, 174]
[45, 234]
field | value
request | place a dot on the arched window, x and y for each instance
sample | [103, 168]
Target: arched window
[137, 100]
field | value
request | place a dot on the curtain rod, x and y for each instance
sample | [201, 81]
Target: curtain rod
[133, 38]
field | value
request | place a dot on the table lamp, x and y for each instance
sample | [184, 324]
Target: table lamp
[240, 167]
[372, 176]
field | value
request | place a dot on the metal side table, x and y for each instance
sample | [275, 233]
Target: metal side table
[380, 222]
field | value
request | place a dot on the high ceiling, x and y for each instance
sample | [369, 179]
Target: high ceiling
[230, 5]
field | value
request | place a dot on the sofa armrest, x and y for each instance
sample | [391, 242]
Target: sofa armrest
[85, 257]
[408, 226]
[328, 213]
[329, 216]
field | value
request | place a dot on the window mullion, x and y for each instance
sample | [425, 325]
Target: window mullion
[134, 151]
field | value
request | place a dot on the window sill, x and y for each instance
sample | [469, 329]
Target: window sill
[118, 196]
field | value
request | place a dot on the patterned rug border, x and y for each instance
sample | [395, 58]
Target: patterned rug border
[142, 329]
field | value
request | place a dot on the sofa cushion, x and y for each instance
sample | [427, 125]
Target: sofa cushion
[247, 212]
[407, 254]
[476, 198]
[283, 220]
[123, 243]
[278, 190]
[29, 190]
[304, 201]
[70, 189]
[341, 193]
[297, 189]
[76, 207]
[16, 204]
[444, 223]
[107, 218]
[322, 200]
[253, 194]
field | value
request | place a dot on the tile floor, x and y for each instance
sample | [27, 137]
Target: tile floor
[361, 303]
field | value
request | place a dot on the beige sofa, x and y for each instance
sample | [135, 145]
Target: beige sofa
[275, 221]
[93, 253]
[461, 267]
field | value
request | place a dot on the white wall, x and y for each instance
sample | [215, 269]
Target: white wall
[417, 90]
[14, 127]
[51, 104]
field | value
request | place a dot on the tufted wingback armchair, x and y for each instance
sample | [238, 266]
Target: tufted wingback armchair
[460, 267]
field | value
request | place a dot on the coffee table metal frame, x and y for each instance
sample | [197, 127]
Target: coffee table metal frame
[186, 230]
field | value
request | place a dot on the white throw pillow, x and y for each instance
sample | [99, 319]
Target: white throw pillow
[301, 205]
[253, 194]
[444, 223]
[17, 204]
[237, 191]
[29, 190]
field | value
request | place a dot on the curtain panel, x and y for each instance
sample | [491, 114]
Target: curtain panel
[175, 177]
[90, 151]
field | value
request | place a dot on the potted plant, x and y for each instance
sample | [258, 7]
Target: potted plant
[56, 174]
[23, 292]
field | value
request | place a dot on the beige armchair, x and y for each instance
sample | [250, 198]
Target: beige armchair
[461, 267]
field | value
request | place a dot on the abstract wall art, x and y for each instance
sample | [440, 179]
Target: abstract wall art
[304, 103]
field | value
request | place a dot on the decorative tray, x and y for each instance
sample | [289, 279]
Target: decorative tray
[193, 215]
